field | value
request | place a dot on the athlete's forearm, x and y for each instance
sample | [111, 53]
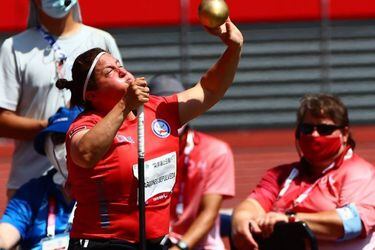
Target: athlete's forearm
[211, 88]
[217, 79]
[220, 76]
[96, 142]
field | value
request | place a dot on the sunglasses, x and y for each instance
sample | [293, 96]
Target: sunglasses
[323, 129]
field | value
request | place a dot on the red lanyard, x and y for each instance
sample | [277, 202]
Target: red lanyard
[51, 220]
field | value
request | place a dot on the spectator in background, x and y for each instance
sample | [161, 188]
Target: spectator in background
[331, 188]
[205, 177]
[101, 148]
[41, 206]
[30, 64]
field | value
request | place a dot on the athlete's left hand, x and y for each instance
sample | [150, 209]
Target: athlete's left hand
[228, 33]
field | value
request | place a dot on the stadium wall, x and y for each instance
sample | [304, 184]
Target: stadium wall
[115, 13]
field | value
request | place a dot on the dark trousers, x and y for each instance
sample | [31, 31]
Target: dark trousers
[77, 244]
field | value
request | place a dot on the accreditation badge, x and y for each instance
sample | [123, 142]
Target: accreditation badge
[160, 176]
[58, 242]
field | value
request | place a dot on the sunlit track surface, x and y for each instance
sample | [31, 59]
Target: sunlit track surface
[6, 149]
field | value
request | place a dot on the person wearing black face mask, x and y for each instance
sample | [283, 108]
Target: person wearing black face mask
[331, 188]
[30, 64]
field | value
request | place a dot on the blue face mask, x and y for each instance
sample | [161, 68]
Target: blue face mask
[57, 8]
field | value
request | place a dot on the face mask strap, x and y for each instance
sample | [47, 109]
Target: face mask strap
[58, 163]
[56, 154]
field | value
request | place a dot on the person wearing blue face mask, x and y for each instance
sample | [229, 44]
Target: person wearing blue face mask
[57, 9]
[30, 64]
[40, 214]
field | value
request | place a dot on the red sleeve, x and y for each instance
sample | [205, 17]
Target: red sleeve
[220, 179]
[84, 121]
[358, 186]
[270, 185]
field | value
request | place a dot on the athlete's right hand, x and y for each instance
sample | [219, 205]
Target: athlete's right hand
[136, 94]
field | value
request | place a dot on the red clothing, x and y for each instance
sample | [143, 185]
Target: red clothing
[107, 194]
[209, 169]
[350, 181]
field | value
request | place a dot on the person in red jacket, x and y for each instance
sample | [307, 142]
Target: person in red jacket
[205, 177]
[331, 188]
[102, 144]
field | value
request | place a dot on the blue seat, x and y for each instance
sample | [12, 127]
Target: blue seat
[226, 228]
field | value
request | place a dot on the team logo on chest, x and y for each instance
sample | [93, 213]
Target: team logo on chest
[161, 128]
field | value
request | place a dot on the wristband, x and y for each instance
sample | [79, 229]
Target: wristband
[351, 221]
[291, 216]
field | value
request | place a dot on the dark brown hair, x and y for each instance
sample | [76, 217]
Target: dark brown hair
[80, 69]
[325, 106]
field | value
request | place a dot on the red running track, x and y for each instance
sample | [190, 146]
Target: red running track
[254, 152]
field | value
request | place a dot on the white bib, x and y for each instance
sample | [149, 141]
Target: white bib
[58, 242]
[160, 175]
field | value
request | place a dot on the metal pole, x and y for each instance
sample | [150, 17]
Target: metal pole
[184, 41]
[324, 45]
[141, 178]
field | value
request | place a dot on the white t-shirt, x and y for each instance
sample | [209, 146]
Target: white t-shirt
[27, 85]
